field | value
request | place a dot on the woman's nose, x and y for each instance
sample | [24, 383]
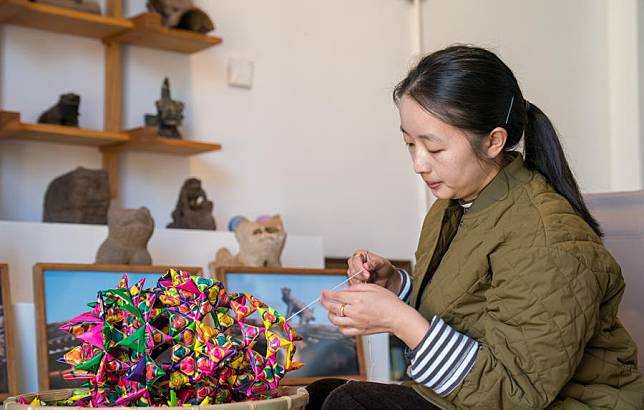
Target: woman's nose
[421, 162]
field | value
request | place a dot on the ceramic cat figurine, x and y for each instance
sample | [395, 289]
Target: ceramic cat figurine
[260, 244]
[129, 231]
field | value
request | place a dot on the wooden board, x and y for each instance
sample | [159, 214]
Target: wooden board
[60, 20]
[148, 32]
[147, 140]
[9, 334]
[12, 128]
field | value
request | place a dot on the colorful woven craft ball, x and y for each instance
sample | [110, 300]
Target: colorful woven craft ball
[184, 342]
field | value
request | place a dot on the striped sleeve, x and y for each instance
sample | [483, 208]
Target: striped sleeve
[444, 357]
[405, 287]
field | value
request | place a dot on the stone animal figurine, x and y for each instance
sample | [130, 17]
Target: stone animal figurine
[260, 244]
[294, 304]
[81, 196]
[129, 231]
[181, 14]
[79, 5]
[193, 210]
[169, 114]
[65, 112]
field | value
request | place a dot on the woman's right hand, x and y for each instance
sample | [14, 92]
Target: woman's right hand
[373, 268]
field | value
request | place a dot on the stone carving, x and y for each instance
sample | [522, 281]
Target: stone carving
[181, 14]
[81, 196]
[294, 304]
[169, 114]
[85, 6]
[193, 210]
[260, 244]
[65, 112]
[129, 231]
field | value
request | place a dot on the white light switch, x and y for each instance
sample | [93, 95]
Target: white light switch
[240, 73]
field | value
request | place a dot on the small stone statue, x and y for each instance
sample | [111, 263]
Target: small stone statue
[79, 5]
[181, 14]
[81, 196]
[65, 112]
[260, 243]
[169, 114]
[194, 210]
[129, 231]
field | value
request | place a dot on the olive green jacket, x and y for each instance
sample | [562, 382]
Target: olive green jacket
[525, 276]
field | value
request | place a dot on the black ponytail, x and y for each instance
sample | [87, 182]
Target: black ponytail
[472, 89]
[543, 153]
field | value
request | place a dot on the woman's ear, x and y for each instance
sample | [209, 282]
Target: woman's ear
[495, 141]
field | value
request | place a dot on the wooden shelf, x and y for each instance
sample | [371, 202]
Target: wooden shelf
[61, 20]
[147, 31]
[144, 30]
[12, 128]
[146, 140]
[115, 31]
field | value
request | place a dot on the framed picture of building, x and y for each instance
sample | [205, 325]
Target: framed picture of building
[324, 350]
[8, 376]
[61, 292]
[397, 361]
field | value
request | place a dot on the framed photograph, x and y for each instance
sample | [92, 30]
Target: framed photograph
[397, 362]
[8, 376]
[61, 292]
[324, 351]
[341, 263]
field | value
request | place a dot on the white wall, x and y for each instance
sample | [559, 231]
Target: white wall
[624, 99]
[559, 51]
[640, 61]
[315, 139]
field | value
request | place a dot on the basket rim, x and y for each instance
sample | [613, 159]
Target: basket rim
[290, 394]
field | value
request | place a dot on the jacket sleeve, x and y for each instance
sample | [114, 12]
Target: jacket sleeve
[541, 309]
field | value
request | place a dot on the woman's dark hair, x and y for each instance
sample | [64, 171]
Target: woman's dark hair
[472, 89]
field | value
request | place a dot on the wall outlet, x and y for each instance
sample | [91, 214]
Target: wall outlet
[240, 73]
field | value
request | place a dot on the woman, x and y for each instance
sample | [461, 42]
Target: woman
[513, 303]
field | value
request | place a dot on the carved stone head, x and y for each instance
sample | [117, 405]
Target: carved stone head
[193, 210]
[80, 196]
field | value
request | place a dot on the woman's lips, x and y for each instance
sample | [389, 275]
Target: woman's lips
[433, 185]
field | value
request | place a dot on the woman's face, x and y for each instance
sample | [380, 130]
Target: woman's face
[442, 154]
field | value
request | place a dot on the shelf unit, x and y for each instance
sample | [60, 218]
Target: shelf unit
[60, 20]
[147, 31]
[114, 31]
[11, 127]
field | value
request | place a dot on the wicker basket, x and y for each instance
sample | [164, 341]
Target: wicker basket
[291, 398]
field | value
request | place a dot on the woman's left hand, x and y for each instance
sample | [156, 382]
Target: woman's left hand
[365, 309]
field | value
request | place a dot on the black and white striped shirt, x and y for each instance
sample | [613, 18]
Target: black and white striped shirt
[444, 357]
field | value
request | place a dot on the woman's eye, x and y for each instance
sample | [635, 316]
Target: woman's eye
[436, 151]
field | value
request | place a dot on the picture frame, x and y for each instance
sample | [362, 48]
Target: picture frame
[397, 361]
[324, 351]
[82, 282]
[8, 375]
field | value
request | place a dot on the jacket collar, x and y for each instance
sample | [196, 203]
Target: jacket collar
[513, 174]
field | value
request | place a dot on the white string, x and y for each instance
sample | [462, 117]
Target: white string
[318, 299]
